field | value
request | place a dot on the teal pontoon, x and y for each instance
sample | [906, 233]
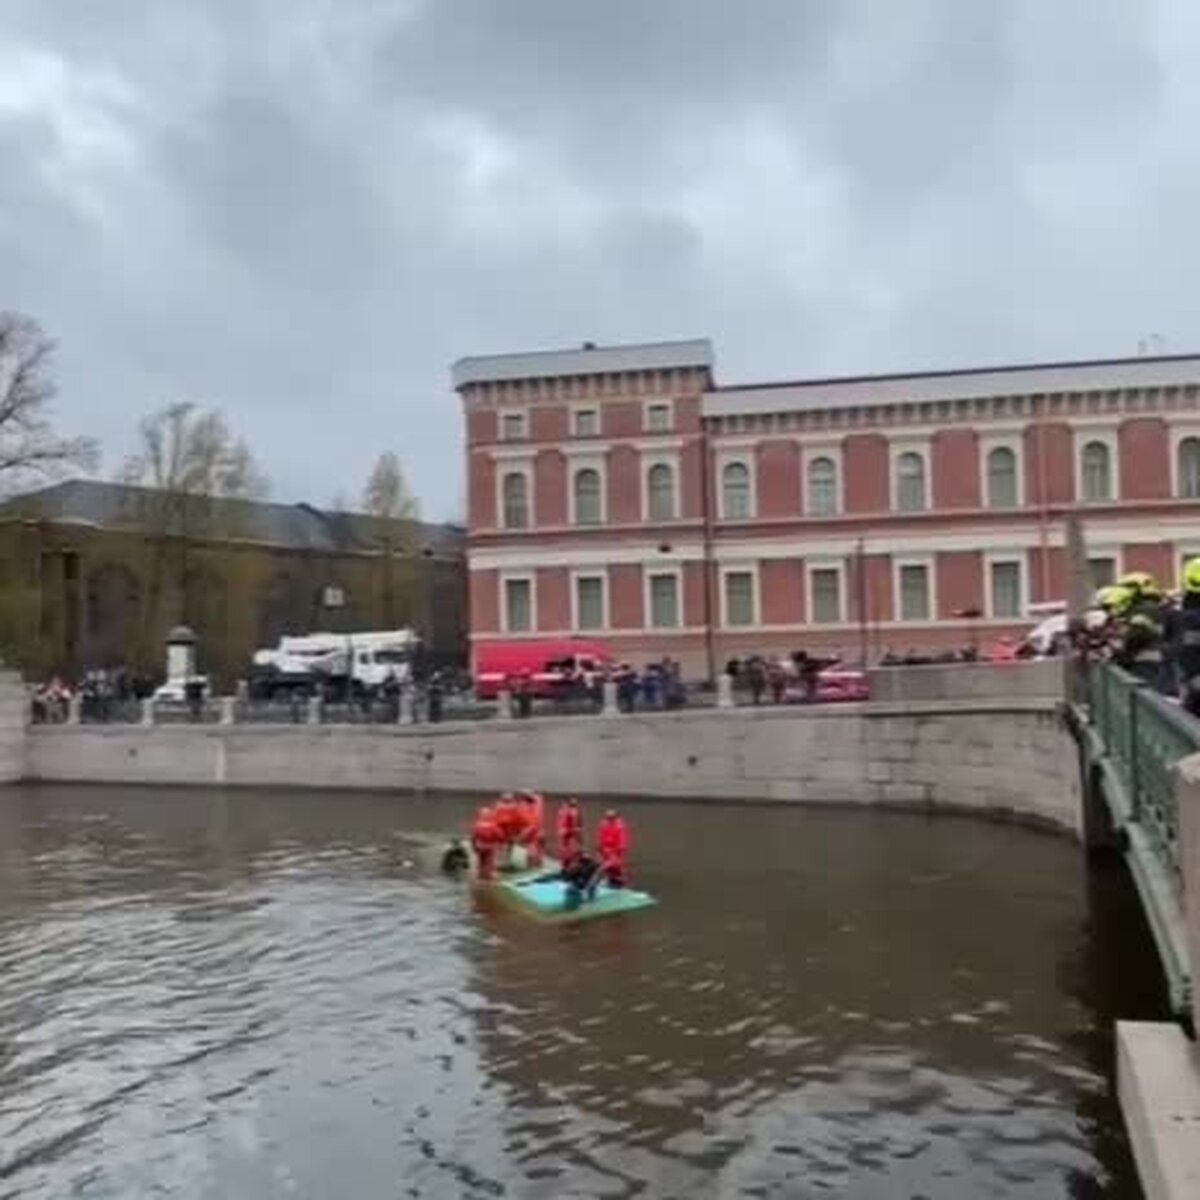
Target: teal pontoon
[541, 893]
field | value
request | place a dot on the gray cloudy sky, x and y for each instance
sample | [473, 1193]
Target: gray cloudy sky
[302, 210]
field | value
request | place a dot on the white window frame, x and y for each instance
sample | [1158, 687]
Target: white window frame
[1107, 550]
[523, 413]
[590, 573]
[990, 442]
[594, 409]
[748, 461]
[582, 462]
[923, 449]
[743, 568]
[649, 573]
[809, 453]
[822, 564]
[1109, 436]
[514, 467]
[662, 459]
[1179, 434]
[658, 402]
[1014, 558]
[1183, 552]
[507, 577]
[929, 562]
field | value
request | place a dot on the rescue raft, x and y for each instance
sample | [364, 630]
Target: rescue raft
[541, 893]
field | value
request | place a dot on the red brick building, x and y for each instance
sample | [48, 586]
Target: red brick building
[618, 492]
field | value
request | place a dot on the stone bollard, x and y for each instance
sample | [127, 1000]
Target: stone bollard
[611, 708]
[148, 710]
[314, 710]
[74, 709]
[405, 711]
[724, 690]
[504, 708]
[228, 710]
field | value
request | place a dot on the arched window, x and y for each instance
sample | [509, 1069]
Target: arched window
[1188, 471]
[735, 491]
[910, 482]
[822, 488]
[1096, 471]
[515, 496]
[587, 496]
[1001, 478]
[660, 493]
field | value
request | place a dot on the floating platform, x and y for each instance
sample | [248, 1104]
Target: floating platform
[542, 894]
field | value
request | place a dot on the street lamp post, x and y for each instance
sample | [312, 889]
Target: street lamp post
[427, 608]
[333, 600]
[861, 573]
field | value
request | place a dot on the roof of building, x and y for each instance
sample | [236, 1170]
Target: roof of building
[964, 384]
[104, 505]
[588, 359]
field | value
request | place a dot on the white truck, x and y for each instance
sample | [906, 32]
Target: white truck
[361, 663]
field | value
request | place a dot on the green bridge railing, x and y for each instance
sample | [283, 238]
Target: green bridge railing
[1135, 738]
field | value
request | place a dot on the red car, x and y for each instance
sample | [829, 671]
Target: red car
[842, 683]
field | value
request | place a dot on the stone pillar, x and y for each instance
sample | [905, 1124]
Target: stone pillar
[724, 690]
[228, 710]
[504, 708]
[148, 711]
[1187, 798]
[611, 708]
[314, 710]
[75, 709]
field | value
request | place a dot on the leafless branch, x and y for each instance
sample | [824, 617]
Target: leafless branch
[29, 443]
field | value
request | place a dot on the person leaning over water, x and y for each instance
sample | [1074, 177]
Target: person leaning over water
[1140, 611]
[1187, 638]
[582, 877]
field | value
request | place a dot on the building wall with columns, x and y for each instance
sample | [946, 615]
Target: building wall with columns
[617, 493]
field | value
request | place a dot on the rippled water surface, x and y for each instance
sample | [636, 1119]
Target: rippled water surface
[268, 995]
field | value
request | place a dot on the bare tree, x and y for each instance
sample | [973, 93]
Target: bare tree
[397, 513]
[29, 443]
[386, 495]
[191, 472]
[187, 452]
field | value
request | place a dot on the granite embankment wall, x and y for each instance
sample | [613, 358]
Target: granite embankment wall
[1042, 679]
[1014, 757]
[14, 713]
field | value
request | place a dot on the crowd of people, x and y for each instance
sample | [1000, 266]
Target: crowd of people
[101, 693]
[1153, 634]
[517, 822]
[762, 676]
[656, 686]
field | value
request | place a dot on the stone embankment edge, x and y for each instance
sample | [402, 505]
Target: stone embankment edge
[1010, 759]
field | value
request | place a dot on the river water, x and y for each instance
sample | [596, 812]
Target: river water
[267, 995]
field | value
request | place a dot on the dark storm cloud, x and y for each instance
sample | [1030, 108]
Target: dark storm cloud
[302, 210]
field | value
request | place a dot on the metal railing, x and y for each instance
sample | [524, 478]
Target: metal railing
[1144, 736]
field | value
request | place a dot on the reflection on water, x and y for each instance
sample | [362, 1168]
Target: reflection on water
[227, 996]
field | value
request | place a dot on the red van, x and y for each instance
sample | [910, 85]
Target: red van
[551, 664]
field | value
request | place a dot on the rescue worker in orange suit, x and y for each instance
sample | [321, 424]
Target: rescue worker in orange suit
[612, 843]
[532, 835]
[510, 822]
[569, 827]
[485, 841]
